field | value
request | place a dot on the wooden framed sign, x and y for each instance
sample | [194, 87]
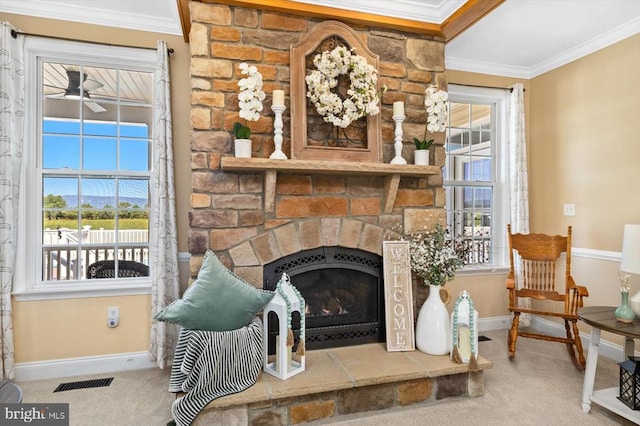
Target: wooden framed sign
[398, 297]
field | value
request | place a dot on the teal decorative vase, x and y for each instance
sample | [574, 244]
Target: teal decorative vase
[624, 313]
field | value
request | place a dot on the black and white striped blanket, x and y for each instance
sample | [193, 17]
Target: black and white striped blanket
[211, 364]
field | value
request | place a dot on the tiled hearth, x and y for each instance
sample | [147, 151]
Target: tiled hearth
[343, 381]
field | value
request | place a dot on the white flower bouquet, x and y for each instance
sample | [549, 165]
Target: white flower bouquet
[249, 99]
[436, 258]
[435, 102]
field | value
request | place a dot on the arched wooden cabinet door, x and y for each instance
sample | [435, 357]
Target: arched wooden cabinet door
[311, 137]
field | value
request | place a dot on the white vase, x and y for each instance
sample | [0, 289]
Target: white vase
[242, 148]
[433, 326]
[421, 157]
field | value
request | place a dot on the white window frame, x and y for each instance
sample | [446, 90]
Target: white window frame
[29, 284]
[500, 212]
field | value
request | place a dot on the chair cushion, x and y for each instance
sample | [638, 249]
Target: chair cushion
[218, 300]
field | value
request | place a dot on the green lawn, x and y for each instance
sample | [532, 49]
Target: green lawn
[98, 223]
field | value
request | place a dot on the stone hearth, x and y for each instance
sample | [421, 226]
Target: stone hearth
[342, 381]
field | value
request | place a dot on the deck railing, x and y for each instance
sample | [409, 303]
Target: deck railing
[66, 258]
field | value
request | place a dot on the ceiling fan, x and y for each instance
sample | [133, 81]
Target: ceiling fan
[77, 90]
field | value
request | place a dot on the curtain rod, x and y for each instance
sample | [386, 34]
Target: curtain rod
[15, 33]
[487, 87]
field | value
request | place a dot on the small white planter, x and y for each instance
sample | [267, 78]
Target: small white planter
[243, 148]
[421, 157]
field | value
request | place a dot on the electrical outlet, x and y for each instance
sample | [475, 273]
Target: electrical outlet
[113, 316]
[570, 209]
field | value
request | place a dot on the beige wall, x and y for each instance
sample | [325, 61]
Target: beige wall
[585, 146]
[582, 132]
[54, 329]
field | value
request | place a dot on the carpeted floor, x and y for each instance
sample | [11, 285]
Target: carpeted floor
[539, 387]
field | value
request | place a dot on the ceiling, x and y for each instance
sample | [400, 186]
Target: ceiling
[519, 38]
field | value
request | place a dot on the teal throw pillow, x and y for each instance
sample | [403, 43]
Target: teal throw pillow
[218, 300]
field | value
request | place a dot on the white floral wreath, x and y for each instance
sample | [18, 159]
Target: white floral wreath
[362, 94]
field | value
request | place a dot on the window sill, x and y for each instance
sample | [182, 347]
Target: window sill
[484, 270]
[57, 292]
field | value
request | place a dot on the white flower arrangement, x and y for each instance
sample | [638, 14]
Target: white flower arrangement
[436, 103]
[625, 285]
[436, 258]
[362, 94]
[249, 99]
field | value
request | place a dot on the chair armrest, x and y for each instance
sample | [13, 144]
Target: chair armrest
[511, 281]
[582, 290]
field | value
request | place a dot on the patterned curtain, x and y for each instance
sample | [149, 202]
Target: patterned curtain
[11, 142]
[163, 238]
[519, 195]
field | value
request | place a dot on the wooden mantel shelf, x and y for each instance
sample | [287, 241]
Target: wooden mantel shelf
[391, 172]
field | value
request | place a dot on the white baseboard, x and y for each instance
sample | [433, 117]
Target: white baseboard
[41, 370]
[605, 348]
[494, 323]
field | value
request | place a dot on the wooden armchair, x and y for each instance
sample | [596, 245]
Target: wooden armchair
[126, 269]
[533, 259]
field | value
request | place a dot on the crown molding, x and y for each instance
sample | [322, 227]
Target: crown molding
[405, 9]
[90, 15]
[615, 35]
[482, 67]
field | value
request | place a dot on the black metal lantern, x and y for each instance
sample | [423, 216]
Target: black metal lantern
[630, 382]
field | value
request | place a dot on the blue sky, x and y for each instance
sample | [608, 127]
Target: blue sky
[96, 150]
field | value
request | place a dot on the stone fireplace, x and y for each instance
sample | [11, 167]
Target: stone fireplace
[305, 216]
[255, 212]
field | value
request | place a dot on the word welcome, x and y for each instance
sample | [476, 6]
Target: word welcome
[398, 296]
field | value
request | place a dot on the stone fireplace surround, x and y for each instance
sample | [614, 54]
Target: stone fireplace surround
[254, 211]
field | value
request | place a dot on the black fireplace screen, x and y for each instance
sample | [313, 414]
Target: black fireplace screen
[343, 291]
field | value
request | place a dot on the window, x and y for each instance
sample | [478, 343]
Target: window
[475, 179]
[88, 173]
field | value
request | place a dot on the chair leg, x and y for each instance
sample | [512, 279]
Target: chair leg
[567, 329]
[513, 334]
[576, 335]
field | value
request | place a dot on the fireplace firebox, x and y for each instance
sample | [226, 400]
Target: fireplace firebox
[343, 291]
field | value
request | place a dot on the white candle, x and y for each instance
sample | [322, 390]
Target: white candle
[398, 108]
[464, 342]
[278, 97]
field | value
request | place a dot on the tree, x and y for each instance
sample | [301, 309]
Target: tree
[88, 214]
[51, 201]
[124, 205]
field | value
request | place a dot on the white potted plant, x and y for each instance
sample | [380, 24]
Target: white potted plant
[435, 102]
[435, 258]
[250, 103]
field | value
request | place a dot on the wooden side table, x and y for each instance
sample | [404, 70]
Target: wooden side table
[603, 318]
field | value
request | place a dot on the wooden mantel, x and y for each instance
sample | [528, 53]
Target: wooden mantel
[391, 173]
[467, 15]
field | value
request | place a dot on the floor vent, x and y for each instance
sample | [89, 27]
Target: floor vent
[95, 383]
[483, 338]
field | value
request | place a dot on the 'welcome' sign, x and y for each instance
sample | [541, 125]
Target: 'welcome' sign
[398, 296]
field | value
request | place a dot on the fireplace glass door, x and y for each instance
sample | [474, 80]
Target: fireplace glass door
[342, 288]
